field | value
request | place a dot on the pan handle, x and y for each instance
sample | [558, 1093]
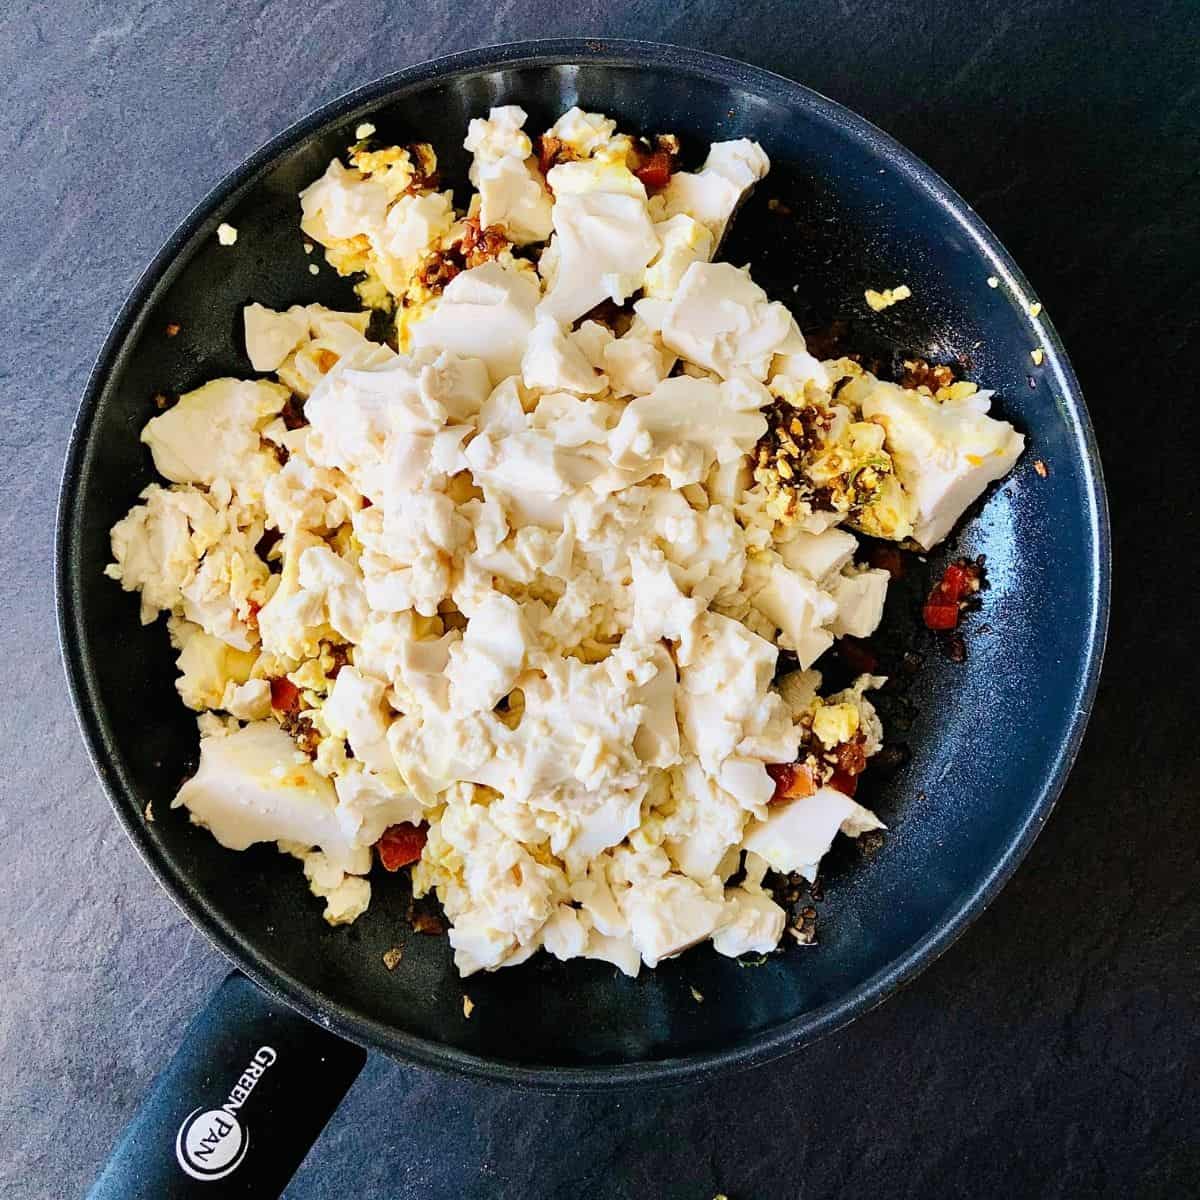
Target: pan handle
[239, 1106]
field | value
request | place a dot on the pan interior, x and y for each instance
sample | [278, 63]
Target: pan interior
[990, 738]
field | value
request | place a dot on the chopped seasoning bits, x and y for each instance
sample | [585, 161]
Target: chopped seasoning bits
[149, 812]
[313, 269]
[308, 247]
[1038, 356]
[468, 1007]
[392, 957]
[226, 234]
[364, 130]
[992, 281]
[1034, 309]
[1040, 467]
[697, 995]
[878, 301]
[173, 329]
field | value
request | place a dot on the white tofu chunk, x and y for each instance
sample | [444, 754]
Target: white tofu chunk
[683, 241]
[798, 608]
[818, 555]
[367, 805]
[485, 313]
[713, 194]
[795, 836]
[256, 786]
[668, 915]
[686, 425]
[751, 923]
[355, 711]
[271, 336]
[603, 241]
[722, 320]
[945, 452]
[213, 433]
[859, 596]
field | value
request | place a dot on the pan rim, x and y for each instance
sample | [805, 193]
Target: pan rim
[758, 1048]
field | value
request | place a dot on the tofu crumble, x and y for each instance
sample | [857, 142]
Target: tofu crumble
[501, 599]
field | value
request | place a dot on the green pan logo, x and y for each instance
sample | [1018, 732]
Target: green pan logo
[211, 1143]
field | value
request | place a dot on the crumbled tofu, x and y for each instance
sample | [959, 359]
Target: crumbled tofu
[497, 596]
[226, 234]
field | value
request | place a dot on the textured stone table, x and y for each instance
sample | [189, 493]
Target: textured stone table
[1053, 1051]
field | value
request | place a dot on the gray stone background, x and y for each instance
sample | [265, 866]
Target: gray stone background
[1052, 1051]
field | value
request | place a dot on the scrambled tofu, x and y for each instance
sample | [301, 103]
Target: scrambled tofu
[500, 597]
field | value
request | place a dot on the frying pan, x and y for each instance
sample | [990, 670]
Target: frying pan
[844, 208]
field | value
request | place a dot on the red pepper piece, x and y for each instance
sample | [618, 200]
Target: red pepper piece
[285, 695]
[954, 582]
[401, 844]
[793, 781]
[941, 608]
[843, 781]
[940, 616]
[655, 172]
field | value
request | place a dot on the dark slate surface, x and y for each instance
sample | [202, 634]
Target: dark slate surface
[1053, 1051]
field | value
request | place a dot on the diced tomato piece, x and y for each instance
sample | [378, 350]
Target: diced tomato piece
[401, 844]
[954, 582]
[793, 781]
[940, 616]
[843, 781]
[941, 607]
[285, 695]
[655, 172]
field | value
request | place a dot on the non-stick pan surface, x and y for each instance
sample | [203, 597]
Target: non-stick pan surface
[992, 739]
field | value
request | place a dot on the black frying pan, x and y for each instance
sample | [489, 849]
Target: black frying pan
[992, 738]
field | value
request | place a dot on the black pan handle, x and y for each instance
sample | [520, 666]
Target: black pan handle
[239, 1106]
